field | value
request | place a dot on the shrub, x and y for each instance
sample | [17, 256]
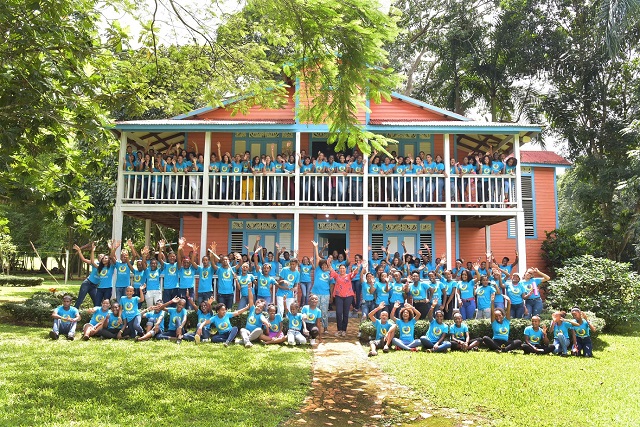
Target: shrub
[559, 246]
[37, 309]
[20, 281]
[598, 285]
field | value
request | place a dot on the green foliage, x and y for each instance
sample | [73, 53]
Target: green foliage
[20, 281]
[599, 285]
[560, 245]
[35, 310]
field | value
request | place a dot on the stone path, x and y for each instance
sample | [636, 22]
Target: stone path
[348, 388]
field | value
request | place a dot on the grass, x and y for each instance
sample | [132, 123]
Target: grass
[105, 383]
[19, 293]
[514, 389]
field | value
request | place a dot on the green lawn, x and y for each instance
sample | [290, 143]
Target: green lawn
[103, 383]
[516, 390]
[19, 293]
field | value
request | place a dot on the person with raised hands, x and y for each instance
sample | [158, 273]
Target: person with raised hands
[385, 330]
[406, 326]
[203, 325]
[322, 287]
[533, 278]
[288, 285]
[204, 285]
[98, 314]
[169, 267]
[226, 277]
[255, 321]
[187, 270]
[501, 325]
[90, 285]
[535, 338]
[435, 340]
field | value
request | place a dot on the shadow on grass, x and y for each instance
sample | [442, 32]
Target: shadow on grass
[629, 329]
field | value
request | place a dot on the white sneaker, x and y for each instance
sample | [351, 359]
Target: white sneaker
[313, 341]
[248, 345]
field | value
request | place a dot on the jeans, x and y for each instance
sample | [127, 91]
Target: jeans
[203, 296]
[427, 344]
[295, 337]
[323, 305]
[120, 292]
[342, 311]
[517, 311]
[225, 336]
[64, 328]
[133, 327]
[191, 336]
[103, 294]
[406, 346]
[585, 346]
[560, 344]
[87, 288]
[305, 288]
[356, 285]
[226, 299]
[367, 307]
[468, 309]
[534, 307]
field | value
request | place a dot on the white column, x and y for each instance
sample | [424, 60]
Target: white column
[447, 184]
[147, 232]
[487, 239]
[121, 161]
[520, 230]
[207, 162]
[365, 235]
[365, 185]
[448, 249]
[297, 176]
[296, 231]
[204, 226]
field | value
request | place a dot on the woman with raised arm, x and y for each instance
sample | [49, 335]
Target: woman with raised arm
[501, 325]
[533, 278]
[385, 330]
[90, 285]
[535, 338]
[343, 294]
[321, 285]
[406, 325]
[436, 337]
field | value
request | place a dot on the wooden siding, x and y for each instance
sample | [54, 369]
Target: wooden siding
[254, 113]
[402, 110]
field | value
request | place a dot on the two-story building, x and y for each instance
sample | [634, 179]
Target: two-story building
[460, 216]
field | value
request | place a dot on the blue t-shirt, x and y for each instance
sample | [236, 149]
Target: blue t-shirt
[153, 280]
[295, 321]
[396, 292]
[321, 281]
[419, 291]
[202, 318]
[535, 337]
[449, 286]
[170, 275]
[176, 318]
[275, 324]
[123, 274]
[205, 282]
[254, 320]
[406, 330]
[222, 324]
[367, 295]
[139, 278]
[501, 329]
[382, 328]
[129, 307]
[114, 322]
[484, 296]
[382, 294]
[225, 280]
[67, 314]
[515, 292]
[313, 314]
[187, 277]
[459, 332]
[562, 328]
[265, 284]
[437, 287]
[583, 330]
[436, 330]
[105, 277]
[246, 282]
[93, 276]
[153, 317]
[98, 316]
[291, 278]
[305, 273]
[528, 286]
[466, 289]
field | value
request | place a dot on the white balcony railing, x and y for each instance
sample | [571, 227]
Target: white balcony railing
[472, 191]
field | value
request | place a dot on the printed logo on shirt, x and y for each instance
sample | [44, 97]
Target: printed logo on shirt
[463, 286]
[480, 292]
[324, 276]
[187, 272]
[581, 332]
[406, 330]
[137, 279]
[223, 326]
[113, 323]
[290, 277]
[103, 273]
[99, 318]
[311, 316]
[384, 331]
[503, 331]
[177, 320]
[205, 274]
[535, 339]
[66, 318]
[172, 270]
[415, 292]
[122, 268]
[515, 291]
[128, 306]
[251, 320]
[275, 327]
[153, 274]
[295, 323]
[437, 331]
[226, 275]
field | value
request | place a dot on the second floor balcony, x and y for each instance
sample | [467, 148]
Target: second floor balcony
[315, 190]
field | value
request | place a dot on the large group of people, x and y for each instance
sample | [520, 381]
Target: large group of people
[475, 179]
[393, 290]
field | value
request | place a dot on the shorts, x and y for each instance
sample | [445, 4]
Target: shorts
[378, 343]
[276, 335]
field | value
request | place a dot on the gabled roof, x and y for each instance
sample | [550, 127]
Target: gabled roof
[543, 158]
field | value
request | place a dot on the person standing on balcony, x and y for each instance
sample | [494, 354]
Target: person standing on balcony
[236, 178]
[181, 168]
[224, 167]
[387, 168]
[357, 166]
[497, 169]
[157, 182]
[131, 164]
[440, 170]
[409, 181]
[214, 179]
[484, 190]
[343, 295]
[510, 172]
[320, 165]
[268, 169]
[430, 183]
[419, 181]
[307, 189]
[247, 180]
[398, 181]
[455, 182]
[375, 194]
[290, 170]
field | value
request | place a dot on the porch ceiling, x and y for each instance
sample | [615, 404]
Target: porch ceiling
[167, 219]
[479, 221]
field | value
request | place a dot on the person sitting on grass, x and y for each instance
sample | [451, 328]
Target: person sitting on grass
[177, 320]
[98, 314]
[312, 316]
[583, 345]
[459, 335]
[535, 338]
[561, 328]
[435, 338]
[406, 325]
[203, 328]
[297, 327]
[155, 321]
[131, 312]
[255, 320]
[112, 325]
[273, 324]
[385, 330]
[65, 320]
[501, 324]
[222, 322]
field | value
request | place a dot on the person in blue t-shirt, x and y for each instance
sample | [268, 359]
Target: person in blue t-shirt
[255, 321]
[459, 335]
[322, 285]
[436, 337]
[155, 321]
[98, 314]
[288, 284]
[535, 338]
[273, 324]
[561, 329]
[222, 322]
[112, 325]
[169, 266]
[204, 285]
[131, 312]
[177, 320]
[90, 285]
[226, 276]
[406, 326]
[65, 320]
[533, 278]
[385, 330]
[203, 325]
[297, 326]
[516, 291]
[311, 315]
[582, 329]
[306, 269]
[501, 324]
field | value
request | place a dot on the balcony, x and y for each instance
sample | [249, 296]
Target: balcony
[312, 191]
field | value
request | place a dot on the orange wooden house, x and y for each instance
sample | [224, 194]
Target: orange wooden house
[346, 210]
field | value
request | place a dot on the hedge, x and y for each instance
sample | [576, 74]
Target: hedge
[20, 281]
[479, 328]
